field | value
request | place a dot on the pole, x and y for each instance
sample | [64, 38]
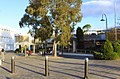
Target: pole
[34, 48]
[0, 62]
[86, 69]
[106, 24]
[12, 65]
[115, 20]
[46, 66]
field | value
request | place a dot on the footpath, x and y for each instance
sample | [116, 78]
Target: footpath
[63, 67]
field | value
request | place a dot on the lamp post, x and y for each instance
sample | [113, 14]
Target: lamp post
[106, 22]
[115, 20]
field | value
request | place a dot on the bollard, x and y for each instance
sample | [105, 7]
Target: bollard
[46, 66]
[0, 62]
[12, 64]
[86, 69]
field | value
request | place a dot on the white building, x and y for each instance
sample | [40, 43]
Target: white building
[22, 40]
[7, 37]
[94, 31]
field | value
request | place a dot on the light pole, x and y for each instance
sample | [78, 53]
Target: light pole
[106, 22]
[115, 20]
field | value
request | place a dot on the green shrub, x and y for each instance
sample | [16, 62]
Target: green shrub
[116, 47]
[108, 52]
[108, 56]
[107, 48]
[17, 51]
[98, 55]
[111, 56]
[118, 53]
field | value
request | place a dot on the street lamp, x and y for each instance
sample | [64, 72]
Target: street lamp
[106, 22]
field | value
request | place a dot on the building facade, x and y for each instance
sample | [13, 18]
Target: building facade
[24, 40]
[7, 38]
[114, 35]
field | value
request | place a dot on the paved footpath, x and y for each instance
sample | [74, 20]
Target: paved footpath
[67, 67]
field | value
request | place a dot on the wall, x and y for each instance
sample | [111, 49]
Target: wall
[7, 38]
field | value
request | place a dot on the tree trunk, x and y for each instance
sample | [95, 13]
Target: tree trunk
[55, 49]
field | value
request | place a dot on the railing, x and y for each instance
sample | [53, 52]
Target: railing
[79, 51]
[84, 51]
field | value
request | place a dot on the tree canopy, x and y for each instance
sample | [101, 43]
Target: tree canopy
[86, 27]
[55, 17]
[80, 38]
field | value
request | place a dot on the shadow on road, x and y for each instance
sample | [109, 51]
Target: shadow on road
[27, 69]
[6, 69]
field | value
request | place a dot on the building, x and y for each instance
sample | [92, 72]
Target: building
[24, 41]
[94, 38]
[7, 38]
[114, 35]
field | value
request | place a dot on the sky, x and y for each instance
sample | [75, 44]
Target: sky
[11, 11]
[93, 10]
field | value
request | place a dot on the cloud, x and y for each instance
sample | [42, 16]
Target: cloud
[97, 7]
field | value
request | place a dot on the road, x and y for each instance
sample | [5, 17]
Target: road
[63, 67]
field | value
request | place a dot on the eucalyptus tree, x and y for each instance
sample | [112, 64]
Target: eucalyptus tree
[52, 17]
